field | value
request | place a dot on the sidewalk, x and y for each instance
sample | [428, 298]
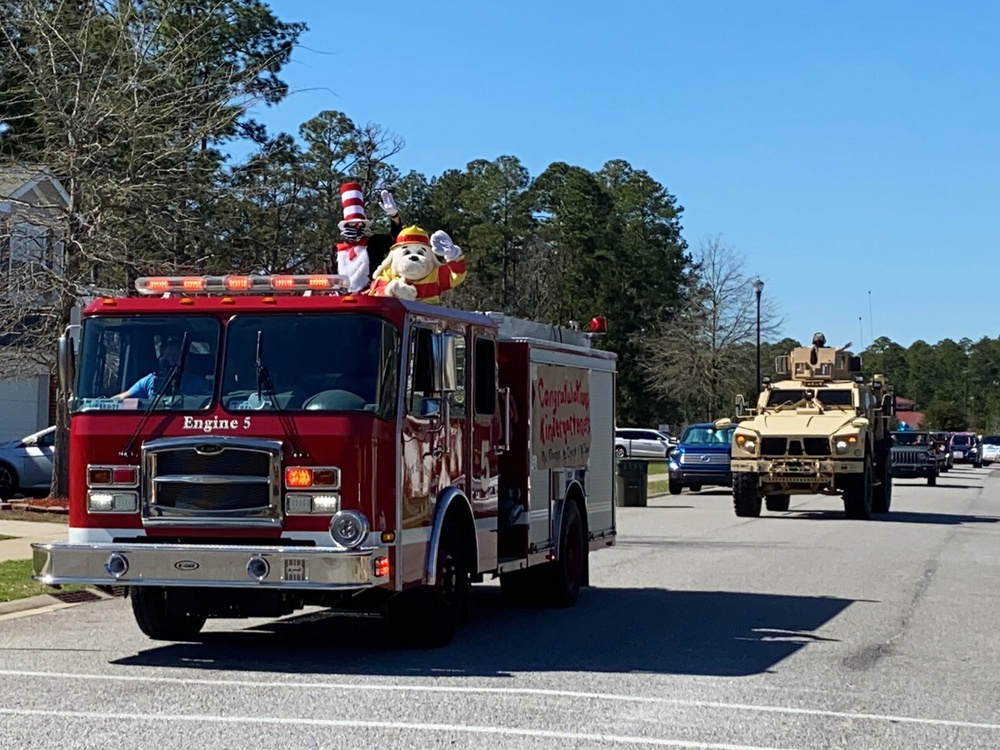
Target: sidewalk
[27, 532]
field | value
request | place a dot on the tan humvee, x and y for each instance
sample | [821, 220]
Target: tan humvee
[822, 430]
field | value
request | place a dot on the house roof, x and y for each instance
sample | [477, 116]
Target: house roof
[17, 181]
[912, 418]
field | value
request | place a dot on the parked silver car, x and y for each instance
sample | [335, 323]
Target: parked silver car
[637, 442]
[26, 464]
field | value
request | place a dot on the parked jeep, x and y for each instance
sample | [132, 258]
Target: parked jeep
[701, 458]
[914, 454]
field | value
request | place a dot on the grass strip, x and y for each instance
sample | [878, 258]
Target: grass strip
[16, 582]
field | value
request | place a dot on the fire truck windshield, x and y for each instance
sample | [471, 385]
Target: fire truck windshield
[339, 362]
[125, 361]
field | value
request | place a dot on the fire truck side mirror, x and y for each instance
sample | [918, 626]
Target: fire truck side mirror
[446, 361]
[430, 407]
[66, 356]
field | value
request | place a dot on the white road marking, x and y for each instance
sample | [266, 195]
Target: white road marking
[395, 725]
[613, 697]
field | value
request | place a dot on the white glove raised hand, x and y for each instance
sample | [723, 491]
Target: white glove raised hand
[443, 246]
[388, 203]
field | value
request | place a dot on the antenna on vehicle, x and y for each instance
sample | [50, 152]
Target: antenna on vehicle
[871, 324]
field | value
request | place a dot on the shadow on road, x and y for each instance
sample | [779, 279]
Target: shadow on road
[945, 519]
[610, 630]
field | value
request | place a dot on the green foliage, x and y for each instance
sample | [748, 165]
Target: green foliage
[944, 415]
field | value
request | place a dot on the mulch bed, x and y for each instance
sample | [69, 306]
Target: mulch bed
[37, 505]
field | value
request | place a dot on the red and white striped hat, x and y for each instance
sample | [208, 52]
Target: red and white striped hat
[354, 204]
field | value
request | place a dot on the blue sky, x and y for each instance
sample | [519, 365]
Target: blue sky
[841, 148]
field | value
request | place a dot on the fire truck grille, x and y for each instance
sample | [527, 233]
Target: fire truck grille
[226, 463]
[211, 482]
[209, 498]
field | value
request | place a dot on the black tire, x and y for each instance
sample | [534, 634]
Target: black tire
[777, 503]
[932, 480]
[620, 451]
[675, 487]
[149, 606]
[882, 494]
[746, 496]
[565, 575]
[8, 481]
[428, 617]
[858, 493]
[977, 464]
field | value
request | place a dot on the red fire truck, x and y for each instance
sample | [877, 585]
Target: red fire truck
[245, 446]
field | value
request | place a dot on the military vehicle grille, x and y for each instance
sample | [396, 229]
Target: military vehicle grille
[808, 446]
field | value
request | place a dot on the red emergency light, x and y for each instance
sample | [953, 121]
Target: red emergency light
[598, 324]
[236, 284]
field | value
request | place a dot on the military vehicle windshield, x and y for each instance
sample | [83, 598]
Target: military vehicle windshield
[789, 396]
[911, 438]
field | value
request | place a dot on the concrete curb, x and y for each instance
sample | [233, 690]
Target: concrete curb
[32, 605]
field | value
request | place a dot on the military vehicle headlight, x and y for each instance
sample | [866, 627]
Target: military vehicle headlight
[845, 443]
[747, 442]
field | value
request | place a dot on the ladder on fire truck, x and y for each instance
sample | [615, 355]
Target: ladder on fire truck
[519, 329]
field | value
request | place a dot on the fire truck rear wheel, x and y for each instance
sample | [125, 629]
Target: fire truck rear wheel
[427, 617]
[746, 495]
[566, 573]
[149, 605]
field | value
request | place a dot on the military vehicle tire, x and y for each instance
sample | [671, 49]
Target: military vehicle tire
[675, 487]
[882, 494]
[777, 503]
[746, 496]
[149, 606]
[858, 493]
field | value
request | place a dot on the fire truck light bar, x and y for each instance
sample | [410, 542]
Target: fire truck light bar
[156, 285]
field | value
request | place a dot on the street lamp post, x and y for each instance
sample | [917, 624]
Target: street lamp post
[758, 287]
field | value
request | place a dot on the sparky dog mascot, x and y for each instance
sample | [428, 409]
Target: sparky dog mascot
[419, 267]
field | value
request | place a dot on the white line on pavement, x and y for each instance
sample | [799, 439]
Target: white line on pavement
[395, 725]
[355, 686]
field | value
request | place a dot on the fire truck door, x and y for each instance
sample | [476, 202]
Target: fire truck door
[423, 436]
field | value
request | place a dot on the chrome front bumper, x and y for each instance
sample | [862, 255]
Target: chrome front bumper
[222, 566]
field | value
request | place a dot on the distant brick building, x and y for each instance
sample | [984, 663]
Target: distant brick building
[906, 412]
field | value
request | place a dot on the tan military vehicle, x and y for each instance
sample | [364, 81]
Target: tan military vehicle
[821, 430]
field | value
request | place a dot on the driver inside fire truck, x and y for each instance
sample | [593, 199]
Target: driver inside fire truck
[191, 383]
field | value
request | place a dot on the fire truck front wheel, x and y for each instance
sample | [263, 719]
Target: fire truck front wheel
[428, 616]
[149, 605]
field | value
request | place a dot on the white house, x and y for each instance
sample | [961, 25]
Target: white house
[31, 201]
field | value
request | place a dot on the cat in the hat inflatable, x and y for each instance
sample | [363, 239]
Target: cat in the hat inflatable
[359, 246]
[419, 267]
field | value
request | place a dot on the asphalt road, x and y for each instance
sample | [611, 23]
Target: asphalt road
[795, 630]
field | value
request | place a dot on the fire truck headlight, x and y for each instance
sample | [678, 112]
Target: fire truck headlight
[112, 502]
[348, 529]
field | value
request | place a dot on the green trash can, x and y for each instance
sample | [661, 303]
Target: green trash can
[632, 482]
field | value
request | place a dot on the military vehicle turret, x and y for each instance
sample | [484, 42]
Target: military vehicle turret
[822, 429]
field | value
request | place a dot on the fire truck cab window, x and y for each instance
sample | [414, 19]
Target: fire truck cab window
[421, 368]
[486, 378]
[315, 362]
[125, 362]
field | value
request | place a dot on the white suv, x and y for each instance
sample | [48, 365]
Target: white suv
[635, 441]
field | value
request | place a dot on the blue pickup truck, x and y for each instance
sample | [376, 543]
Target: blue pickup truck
[701, 458]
